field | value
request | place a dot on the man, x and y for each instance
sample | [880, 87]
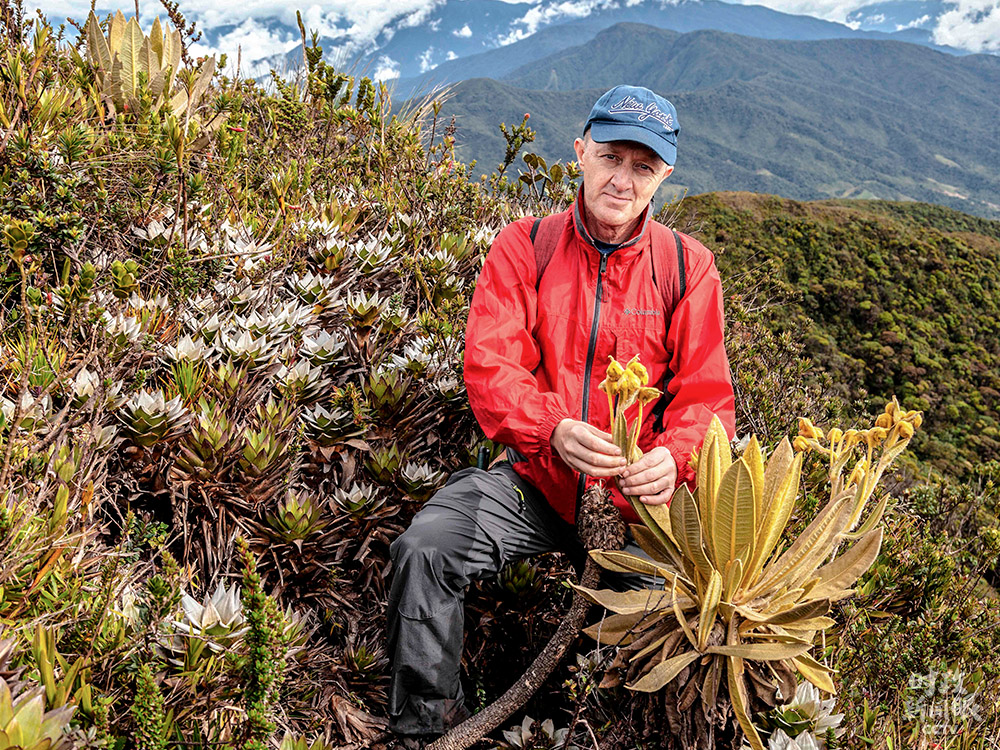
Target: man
[537, 345]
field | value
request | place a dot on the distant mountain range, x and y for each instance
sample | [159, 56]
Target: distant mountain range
[803, 119]
[431, 43]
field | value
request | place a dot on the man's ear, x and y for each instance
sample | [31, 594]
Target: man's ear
[666, 174]
[579, 146]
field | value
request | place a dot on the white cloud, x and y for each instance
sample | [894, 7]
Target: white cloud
[385, 68]
[465, 31]
[352, 25]
[253, 43]
[914, 24]
[425, 60]
[540, 16]
[829, 10]
[452, 55]
[876, 19]
[970, 24]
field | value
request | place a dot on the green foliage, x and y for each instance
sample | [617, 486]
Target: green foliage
[265, 665]
[927, 606]
[151, 722]
[883, 306]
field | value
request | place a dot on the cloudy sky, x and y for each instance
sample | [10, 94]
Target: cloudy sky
[269, 28]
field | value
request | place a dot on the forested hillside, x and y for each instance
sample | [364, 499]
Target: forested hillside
[899, 298]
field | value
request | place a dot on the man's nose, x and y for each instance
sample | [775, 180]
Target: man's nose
[620, 178]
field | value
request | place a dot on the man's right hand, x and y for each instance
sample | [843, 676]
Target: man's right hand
[588, 450]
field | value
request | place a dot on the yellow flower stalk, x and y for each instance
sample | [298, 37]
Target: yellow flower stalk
[624, 386]
[808, 430]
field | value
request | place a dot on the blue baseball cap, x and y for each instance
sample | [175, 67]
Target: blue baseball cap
[634, 113]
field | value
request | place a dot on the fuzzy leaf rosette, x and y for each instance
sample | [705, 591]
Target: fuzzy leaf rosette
[738, 612]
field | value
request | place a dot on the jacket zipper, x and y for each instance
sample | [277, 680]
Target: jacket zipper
[590, 361]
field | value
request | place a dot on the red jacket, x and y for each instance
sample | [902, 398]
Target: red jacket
[526, 352]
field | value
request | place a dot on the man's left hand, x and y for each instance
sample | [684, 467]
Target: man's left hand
[653, 477]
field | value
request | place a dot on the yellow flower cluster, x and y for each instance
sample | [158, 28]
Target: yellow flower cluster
[890, 427]
[624, 385]
[628, 383]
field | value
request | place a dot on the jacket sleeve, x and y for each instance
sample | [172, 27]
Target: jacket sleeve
[501, 354]
[702, 382]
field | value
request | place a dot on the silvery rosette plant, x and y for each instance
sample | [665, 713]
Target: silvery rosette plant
[298, 516]
[302, 383]
[188, 348]
[363, 308]
[314, 289]
[323, 348]
[806, 721]
[329, 427]
[372, 255]
[360, 501]
[420, 480]
[536, 735]
[150, 418]
[123, 330]
[34, 411]
[214, 624]
[735, 618]
[245, 348]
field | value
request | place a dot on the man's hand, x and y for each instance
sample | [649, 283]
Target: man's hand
[653, 477]
[588, 450]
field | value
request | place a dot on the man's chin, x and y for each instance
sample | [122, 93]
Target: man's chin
[612, 217]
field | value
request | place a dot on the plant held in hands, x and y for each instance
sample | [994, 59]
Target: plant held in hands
[624, 387]
[737, 619]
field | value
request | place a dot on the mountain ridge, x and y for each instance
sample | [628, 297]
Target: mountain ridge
[819, 119]
[684, 16]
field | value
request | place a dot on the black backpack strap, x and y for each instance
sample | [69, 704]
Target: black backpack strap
[681, 269]
[670, 277]
[545, 234]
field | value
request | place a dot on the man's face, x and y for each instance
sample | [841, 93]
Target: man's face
[620, 178]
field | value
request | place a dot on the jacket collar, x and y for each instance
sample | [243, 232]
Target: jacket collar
[581, 228]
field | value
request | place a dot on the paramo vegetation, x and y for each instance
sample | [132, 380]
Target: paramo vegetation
[230, 370]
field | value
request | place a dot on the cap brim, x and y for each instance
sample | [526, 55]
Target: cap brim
[604, 132]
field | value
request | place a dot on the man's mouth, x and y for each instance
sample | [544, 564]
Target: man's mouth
[616, 198]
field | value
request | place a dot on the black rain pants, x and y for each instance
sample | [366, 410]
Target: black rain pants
[474, 525]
